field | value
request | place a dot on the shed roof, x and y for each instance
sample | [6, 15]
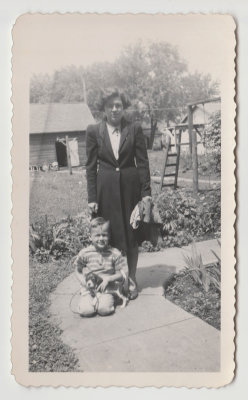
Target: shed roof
[59, 117]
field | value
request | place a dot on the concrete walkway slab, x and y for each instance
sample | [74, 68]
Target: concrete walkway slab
[173, 257]
[150, 334]
[146, 312]
[170, 348]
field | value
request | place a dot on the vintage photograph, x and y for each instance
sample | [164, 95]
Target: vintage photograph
[125, 173]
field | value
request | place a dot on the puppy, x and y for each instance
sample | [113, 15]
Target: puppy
[115, 288]
[92, 282]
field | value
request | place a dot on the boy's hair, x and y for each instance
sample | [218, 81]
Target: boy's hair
[99, 221]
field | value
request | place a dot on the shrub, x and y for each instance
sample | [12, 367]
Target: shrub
[212, 139]
[186, 217]
[148, 247]
[55, 240]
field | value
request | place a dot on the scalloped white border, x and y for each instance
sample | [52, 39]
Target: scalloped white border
[20, 123]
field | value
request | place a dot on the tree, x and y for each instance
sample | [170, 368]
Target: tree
[197, 87]
[154, 76]
[68, 85]
[40, 88]
[157, 77]
[98, 76]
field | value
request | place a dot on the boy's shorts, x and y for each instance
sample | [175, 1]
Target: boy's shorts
[103, 304]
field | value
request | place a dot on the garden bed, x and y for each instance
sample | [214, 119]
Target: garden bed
[185, 293]
[47, 352]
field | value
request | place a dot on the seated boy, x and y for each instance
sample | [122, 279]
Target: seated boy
[104, 261]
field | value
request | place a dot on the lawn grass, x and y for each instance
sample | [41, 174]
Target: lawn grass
[156, 161]
[57, 194]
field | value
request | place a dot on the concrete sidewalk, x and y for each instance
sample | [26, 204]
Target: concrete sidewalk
[150, 334]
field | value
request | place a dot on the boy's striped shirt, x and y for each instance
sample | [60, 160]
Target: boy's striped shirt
[106, 262]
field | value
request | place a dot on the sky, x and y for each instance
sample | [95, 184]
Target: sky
[50, 42]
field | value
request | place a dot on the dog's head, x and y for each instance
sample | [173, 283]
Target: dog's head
[92, 280]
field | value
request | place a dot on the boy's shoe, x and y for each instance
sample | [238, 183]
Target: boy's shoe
[133, 289]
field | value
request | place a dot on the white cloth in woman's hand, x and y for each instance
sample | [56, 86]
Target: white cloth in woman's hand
[146, 214]
[135, 217]
[141, 212]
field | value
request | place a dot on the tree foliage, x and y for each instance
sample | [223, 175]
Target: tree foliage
[212, 139]
[154, 76]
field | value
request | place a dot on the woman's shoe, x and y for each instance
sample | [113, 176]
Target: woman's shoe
[133, 294]
[133, 289]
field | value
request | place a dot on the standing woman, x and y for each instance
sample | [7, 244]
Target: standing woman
[118, 176]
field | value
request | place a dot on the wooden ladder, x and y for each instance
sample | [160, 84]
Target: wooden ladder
[175, 157]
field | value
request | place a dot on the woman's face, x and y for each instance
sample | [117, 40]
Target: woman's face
[114, 111]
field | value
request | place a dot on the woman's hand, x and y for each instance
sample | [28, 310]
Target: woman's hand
[103, 284]
[147, 199]
[93, 208]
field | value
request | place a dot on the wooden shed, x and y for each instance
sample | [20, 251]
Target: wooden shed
[49, 126]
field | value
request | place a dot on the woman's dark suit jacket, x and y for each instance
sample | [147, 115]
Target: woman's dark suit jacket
[117, 185]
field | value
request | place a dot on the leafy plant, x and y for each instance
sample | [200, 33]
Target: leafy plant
[215, 271]
[148, 247]
[196, 268]
[42, 255]
[215, 275]
[203, 275]
[186, 217]
[58, 239]
[208, 165]
[212, 139]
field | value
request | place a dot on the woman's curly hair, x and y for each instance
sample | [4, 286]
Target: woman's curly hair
[106, 95]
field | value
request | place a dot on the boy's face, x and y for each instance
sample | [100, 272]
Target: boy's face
[100, 237]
